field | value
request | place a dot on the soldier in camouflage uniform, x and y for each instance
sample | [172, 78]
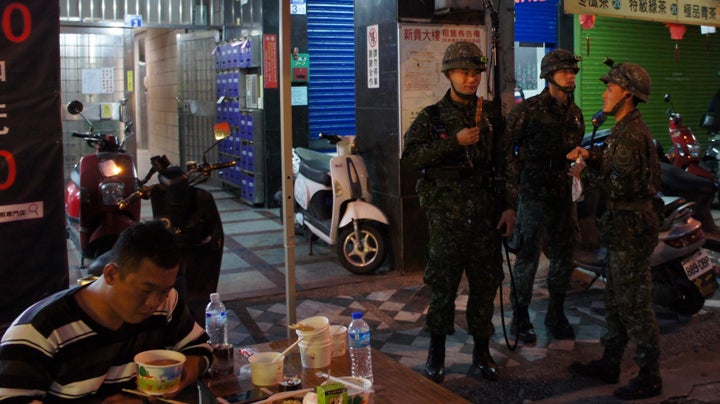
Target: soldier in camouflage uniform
[541, 131]
[627, 173]
[455, 145]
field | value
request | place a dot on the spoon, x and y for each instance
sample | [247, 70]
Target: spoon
[283, 353]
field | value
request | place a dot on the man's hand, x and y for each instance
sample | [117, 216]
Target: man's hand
[507, 220]
[576, 153]
[192, 370]
[468, 136]
[576, 168]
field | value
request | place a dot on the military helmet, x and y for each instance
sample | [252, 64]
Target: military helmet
[631, 77]
[556, 60]
[463, 55]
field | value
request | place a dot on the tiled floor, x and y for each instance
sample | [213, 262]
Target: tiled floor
[253, 287]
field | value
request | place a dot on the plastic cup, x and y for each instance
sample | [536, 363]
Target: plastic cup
[159, 371]
[223, 361]
[315, 355]
[338, 333]
[265, 370]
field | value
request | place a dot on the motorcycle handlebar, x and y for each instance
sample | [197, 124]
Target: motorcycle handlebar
[142, 193]
[206, 168]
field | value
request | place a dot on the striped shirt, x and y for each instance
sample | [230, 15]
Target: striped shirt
[55, 352]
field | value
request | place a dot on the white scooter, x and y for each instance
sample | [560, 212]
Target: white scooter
[333, 201]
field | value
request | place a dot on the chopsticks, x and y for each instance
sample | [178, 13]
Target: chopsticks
[159, 398]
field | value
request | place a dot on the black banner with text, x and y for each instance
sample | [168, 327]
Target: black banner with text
[33, 247]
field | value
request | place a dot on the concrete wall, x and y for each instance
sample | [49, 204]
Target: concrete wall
[161, 46]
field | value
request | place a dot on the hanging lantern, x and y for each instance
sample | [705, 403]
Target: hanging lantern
[677, 31]
[587, 21]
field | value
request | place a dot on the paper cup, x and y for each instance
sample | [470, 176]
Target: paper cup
[315, 354]
[159, 371]
[320, 329]
[265, 372]
[339, 340]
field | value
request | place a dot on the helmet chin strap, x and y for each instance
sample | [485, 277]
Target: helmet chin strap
[467, 97]
[566, 89]
[617, 106]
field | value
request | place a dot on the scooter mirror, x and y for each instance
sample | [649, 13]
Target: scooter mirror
[221, 130]
[75, 107]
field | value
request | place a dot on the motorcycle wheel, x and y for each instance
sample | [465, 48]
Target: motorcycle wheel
[362, 256]
[672, 289]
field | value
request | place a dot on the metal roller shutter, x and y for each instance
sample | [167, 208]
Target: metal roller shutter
[331, 88]
[691, 80]
[536, 22]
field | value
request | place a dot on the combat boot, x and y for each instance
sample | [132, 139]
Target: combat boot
[644, 385]
[522, 327]
[483, 365]
[597, 369]
[555, 321]
[435, 365]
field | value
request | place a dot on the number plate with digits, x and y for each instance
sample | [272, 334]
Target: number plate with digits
[697, 264]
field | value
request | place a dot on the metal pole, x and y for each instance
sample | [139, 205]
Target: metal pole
[288, 208]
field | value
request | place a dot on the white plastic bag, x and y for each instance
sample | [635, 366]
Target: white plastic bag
[577, 189]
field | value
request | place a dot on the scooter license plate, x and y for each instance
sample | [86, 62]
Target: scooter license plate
[697, 264]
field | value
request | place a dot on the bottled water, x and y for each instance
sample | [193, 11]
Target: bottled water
[216, 321]
[359, 345]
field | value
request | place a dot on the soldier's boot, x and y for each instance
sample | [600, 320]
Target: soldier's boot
[644, 385]
[606, 369]
[555, 321]
[483, 365]
[435, 365]
[522, 327]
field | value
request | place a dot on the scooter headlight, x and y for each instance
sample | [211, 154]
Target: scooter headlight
[694, 150]
[112, 192]
[109, 168]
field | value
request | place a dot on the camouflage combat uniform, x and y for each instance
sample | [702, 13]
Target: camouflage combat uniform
[541, 132]
[457, 191]
[628, 176]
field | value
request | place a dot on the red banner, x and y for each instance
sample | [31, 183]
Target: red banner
[33, 243]
[270, 61]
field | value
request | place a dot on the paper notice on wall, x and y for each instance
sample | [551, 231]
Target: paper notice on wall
[98, 81]
[373, 57]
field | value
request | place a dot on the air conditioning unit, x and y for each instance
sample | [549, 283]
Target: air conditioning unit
[453, 6]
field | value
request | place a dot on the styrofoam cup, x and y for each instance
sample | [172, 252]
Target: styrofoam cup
[320, 331]
[315, 355]
[338, 333]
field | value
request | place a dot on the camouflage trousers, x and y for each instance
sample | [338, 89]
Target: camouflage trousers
[628, 290]
[462, 240]
[549, 223]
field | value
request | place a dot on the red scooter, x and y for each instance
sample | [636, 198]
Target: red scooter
[98, 182]
[686, 152]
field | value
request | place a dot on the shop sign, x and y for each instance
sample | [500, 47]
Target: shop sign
[691, 12]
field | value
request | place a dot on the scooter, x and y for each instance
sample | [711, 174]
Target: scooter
[686, 152]
[683, 273]
[98, 181]
[711, 157]
[334, 203]
[191, 214]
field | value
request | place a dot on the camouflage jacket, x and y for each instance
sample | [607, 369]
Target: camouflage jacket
[431, 146]
[540, 132]
[629, 170]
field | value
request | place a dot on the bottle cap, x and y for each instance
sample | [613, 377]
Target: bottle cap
[215, 296]
[356, 315]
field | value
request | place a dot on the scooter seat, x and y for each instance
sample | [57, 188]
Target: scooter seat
[316, 175]
[314, 165]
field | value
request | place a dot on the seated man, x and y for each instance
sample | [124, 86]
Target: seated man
[81, 341]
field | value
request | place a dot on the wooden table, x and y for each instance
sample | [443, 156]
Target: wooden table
[394, 383]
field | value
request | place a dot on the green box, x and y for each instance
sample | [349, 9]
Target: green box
[332, 393]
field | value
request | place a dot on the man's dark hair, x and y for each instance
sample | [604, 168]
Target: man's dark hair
[150, 240]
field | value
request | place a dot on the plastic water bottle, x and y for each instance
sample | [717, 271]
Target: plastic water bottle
[359, 345]
[216, 321]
